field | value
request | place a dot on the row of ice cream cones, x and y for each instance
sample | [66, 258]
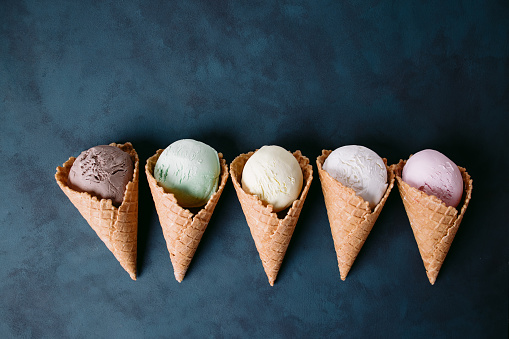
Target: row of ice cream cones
[351, 220]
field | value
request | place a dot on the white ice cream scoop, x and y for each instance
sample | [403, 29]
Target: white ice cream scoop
[359, 168]
[274, 175]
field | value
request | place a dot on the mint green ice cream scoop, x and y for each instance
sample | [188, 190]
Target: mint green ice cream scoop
[190, 170]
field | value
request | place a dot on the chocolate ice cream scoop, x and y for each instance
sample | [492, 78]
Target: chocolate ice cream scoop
[103, 171]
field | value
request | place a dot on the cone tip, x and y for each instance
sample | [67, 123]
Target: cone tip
[432, 279]
[179, 277]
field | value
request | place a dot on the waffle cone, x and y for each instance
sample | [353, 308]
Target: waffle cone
[270, 234]
[182, 229]
[350, 217]
[434, 224]
[117, 227]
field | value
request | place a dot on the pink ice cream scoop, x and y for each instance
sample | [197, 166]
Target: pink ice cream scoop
[433, 173]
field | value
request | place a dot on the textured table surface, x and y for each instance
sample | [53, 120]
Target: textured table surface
[310, 75]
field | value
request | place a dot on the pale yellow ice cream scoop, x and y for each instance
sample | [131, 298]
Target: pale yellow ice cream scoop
[274, 175]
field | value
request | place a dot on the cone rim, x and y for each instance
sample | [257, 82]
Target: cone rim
[390, 181]
[256, 200]
[63, 173]
[467, 188]
[149, 171]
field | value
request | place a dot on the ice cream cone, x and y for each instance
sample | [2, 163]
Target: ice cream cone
[270, 234]
[182, 229]
[350, 217]
[117, 227]
[433, 223]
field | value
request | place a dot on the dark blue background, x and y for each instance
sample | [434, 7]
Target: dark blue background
[395, 76]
